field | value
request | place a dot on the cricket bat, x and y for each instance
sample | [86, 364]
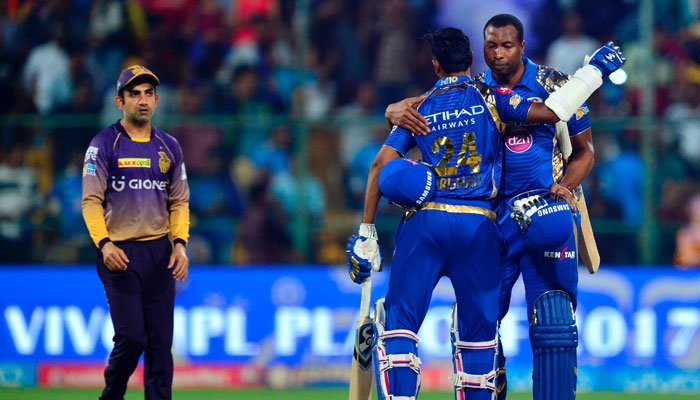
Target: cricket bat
[588, 249]
[361, 370]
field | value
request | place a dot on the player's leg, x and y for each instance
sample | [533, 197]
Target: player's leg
[513, 251]
[159, 301]
[551, 277]
[473, 268]
[415, 271]
[123, 290]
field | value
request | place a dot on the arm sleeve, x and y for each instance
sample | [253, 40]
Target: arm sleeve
[400, 140]
[511, 106]
[95, 172]
[580, 121]
[179, 202]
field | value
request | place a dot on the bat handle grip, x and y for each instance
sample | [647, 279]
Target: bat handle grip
[366, 297]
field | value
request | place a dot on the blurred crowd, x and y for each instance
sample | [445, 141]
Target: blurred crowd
[278, 106]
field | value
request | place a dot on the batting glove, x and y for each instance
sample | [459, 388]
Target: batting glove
[606, 59]
[363, 253]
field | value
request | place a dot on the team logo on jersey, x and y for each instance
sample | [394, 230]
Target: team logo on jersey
[518, 140]
[134, 163]
[91, 153]
[581, 112]
[163, 162]
[89, 169]
[515, 100]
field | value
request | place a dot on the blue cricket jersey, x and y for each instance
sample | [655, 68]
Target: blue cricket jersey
[464, 143]
[532, 157]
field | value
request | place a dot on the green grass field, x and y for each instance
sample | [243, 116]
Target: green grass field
[306, 394]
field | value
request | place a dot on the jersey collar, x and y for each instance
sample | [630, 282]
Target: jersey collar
[529, 78]
[452, 80]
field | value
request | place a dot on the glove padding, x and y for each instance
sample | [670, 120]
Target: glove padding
[606, 59]
[363, 254]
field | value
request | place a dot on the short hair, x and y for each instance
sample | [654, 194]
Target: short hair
[451, 48]
[501, 20]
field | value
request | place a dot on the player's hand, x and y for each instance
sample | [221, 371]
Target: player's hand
[363, 253]
[179, 260]
[606, 59]
[559, 191]
[114, 258]
[405, 115]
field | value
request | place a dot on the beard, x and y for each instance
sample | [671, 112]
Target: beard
[138, 119]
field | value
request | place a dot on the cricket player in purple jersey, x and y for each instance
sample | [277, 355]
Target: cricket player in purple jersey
[454, 234]
[136, 207]
[536, 205]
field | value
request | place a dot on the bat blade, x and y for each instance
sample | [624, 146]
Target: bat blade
[361, 369]
[588, 249]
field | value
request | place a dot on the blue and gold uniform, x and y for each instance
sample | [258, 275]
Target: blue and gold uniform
[539, 232]
[453, 235]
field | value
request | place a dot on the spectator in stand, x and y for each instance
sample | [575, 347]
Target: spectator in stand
[262, 236]
[688, 238]
[46, 68]
[19, 197]
[566, 52]
[274, 156]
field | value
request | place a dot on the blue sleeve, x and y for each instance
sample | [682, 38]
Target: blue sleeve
[580, 121]
[511, 106]
[400, 140]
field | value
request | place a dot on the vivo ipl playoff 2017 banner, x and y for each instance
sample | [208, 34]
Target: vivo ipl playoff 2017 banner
[639, 329]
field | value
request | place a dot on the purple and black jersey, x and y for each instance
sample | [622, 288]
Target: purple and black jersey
[135, 189]
[465, 120]
[532, 157]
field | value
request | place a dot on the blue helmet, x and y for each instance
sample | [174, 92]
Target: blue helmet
[407, 183]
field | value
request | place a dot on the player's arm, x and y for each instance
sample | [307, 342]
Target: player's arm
[405, 114]
[363, 249]
[179, 211]
[563, 103]
[372, 193]
[95, 174]
[578, 167]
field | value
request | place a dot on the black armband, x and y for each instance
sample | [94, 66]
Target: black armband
[103, 242]
[181, 241]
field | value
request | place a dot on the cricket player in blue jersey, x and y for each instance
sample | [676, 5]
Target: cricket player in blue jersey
[454, 233]
[136, 207]
[536, 204]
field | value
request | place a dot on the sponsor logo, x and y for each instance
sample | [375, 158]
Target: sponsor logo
[518, 140]
[562, 254]
[503, 90]
[363, 345]
[553, 209]
[448, 80]
[90, 169]
[134, 163]
[454, 114]
[428, 186]
[163, 162]
[91, 153]
[610, 56]
[581, 112]
[138, 184]
[534, 99]
[515, 100]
